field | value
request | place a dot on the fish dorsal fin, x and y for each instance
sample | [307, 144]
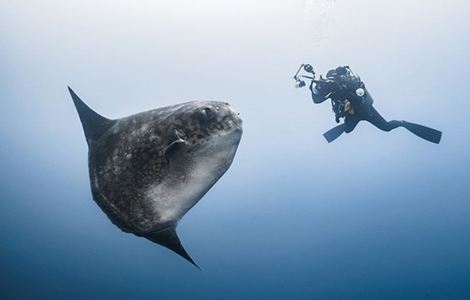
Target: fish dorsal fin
[94, 125]
[169, 238]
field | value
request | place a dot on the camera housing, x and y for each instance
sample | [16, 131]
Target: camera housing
[299, 83]
[308, 68]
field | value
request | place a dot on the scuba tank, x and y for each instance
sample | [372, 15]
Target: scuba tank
[358, 93]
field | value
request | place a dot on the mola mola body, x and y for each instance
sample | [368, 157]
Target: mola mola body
[149, 169]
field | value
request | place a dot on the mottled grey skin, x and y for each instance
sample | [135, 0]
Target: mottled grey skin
[147, 170]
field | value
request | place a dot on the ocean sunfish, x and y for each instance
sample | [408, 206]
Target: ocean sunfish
[149, 169]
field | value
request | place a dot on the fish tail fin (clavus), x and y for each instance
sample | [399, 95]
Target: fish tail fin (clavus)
[169, 238]
[94, 125]
[429, 134]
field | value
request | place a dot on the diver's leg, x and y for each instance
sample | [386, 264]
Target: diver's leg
[429, 134]
[350, 122]
[334, 133]
[378, 121]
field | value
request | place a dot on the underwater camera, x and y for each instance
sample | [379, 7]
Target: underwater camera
[299, 83]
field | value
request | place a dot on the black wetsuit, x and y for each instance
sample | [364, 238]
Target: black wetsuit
[343, 88]
[351, 101]
[370, 114]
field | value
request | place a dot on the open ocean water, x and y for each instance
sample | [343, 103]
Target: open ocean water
[373, 215]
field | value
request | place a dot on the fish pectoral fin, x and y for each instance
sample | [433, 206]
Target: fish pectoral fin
[169, 238]
[178, 138]
[173, 147]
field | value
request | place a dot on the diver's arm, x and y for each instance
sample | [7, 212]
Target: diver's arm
[318, 95]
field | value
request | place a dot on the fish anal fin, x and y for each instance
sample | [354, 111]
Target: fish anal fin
[94, 125]
[169, 238]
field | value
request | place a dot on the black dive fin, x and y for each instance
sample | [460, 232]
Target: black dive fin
[334, 133]
[94, 125]
[429, 134]
[169, 238]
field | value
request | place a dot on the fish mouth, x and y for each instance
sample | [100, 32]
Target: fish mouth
[239, 123]
[236, 120]
[236, 134]
[236, 128]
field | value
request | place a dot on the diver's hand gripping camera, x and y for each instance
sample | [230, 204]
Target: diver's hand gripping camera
[299, 83]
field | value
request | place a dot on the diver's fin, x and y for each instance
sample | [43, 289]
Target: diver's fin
[94, 125]
[429, 134]
[169, 238]
[334, 133]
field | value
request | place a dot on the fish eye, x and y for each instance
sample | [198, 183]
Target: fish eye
[210, 113]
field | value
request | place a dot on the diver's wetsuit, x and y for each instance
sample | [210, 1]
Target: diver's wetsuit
[351, 101]
[370, 114]
[343, 87]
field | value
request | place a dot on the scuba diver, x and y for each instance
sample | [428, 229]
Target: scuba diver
[352, 102]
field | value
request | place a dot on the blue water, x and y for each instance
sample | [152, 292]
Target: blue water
[373, 215]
